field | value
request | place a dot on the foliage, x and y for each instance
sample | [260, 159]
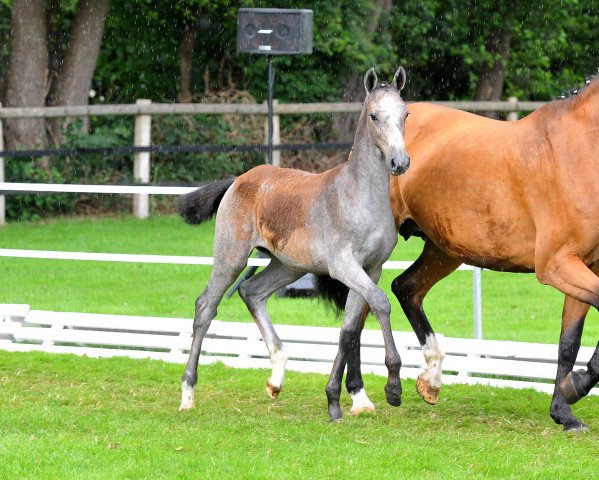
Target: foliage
[443, 47]
[442, 44]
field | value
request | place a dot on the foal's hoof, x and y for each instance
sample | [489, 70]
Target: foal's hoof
[186, 406]
[428, 393]
[335, 413]
[572, 387]
[272, 391]
[393, 395]
[576, 427]
[356, 411]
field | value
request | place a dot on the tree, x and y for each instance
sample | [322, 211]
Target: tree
[74, 76]
[376, 28]
[28, 77]
[32, 81]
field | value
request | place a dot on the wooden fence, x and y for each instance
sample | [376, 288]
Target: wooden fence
[310, 349]
[143, 110]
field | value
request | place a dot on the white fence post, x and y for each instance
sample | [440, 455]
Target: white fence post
[276, 136]
[2, 199]
[477, 289]
[141, 165]
[512, 116]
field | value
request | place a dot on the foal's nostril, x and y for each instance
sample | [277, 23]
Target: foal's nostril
[400, 164]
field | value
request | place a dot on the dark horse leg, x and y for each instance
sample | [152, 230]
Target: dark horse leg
[354, 383]
[363, 290]
[578, 384]
[573, 317]
[410, 288]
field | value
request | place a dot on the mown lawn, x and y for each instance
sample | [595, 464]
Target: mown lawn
[515, 307]
[74, 417]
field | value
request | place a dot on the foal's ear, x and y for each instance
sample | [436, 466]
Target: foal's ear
[370, 80]
[399, 79]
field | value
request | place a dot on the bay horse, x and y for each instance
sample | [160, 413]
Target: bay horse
[507, 196]
[338, 223]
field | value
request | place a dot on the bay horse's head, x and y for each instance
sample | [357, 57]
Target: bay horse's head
[386, 114]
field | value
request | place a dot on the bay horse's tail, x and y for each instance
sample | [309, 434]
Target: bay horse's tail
[201, 204]
[332, 291]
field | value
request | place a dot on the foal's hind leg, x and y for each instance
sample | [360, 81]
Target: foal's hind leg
[410, 288]
[228, 264]
[573, 317]
[255, 292]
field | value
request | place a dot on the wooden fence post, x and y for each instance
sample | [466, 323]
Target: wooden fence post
[141, 164]
[276, 136]
[512, 116]
[2, 199]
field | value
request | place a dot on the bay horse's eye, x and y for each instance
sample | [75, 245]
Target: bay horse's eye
[373, 117]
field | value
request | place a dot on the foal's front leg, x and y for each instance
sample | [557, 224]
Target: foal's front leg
[349, 344]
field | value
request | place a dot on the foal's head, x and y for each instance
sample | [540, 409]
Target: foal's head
[386, 115]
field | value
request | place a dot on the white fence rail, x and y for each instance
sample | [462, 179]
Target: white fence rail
[310, 349]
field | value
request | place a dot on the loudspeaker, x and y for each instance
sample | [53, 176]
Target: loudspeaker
[274, 31]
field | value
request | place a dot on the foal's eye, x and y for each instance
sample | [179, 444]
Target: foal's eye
[373, 117]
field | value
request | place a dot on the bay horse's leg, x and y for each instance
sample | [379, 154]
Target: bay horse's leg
[354, 384]
[349, 339]
[350, 273]
[573, 317]
[229, 261]
[578, 384]
[255, 292]
[566, 272]
[410, 288]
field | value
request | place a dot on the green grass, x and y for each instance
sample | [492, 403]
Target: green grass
[515, 307]
[69, 417]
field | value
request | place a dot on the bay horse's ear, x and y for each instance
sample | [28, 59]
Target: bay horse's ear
[399, 79]
[370, 80]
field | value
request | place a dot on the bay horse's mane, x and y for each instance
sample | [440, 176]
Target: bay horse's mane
[574, 92]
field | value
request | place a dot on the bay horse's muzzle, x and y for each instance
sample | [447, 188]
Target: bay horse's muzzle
[399, 164]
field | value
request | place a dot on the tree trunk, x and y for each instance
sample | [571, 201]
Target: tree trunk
[186, 49]
[492, 76]
[74, 78]
[28, 77]
[353, 87]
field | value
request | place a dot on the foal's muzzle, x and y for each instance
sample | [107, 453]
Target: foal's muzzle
[399, 164]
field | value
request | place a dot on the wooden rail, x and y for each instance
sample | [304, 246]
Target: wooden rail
[240, 108]
[144, 109]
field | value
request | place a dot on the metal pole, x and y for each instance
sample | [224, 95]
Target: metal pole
[2, 199]
[271, 82]
[478, 311]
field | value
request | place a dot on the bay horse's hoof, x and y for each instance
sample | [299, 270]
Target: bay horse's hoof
[427, 392]
[572, 386]
[272, 391]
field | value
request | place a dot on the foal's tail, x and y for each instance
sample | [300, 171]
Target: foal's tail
[202, 204]
[332, 291]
